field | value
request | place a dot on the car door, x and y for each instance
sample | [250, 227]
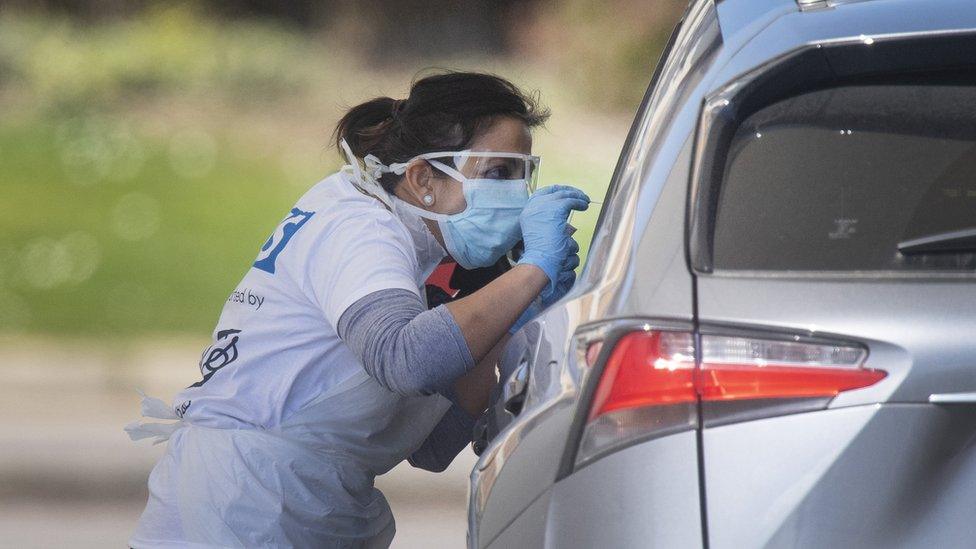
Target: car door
[543, 479]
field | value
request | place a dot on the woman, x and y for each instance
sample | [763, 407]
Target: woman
[327, 368]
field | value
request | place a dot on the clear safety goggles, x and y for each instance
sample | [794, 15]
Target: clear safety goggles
[481, 165]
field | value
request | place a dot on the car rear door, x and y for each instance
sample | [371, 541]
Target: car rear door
[834, 245]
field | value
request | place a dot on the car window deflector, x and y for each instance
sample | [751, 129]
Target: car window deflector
[953, 241]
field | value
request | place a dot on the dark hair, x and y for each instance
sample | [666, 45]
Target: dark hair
[444, 111]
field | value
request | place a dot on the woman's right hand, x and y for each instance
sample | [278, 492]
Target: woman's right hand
[544, 228]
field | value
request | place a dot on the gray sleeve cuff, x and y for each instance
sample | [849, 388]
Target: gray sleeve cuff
[445, 442]
[457, 338]
[407, 349]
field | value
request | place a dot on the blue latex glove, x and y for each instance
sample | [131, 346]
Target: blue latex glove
[544, 229]
[565, 280]
[566, 277]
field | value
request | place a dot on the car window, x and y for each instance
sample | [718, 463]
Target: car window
[840, 179]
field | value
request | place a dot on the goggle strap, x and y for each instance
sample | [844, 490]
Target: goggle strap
[448, 170]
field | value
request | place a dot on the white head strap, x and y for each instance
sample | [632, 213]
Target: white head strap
[368, 181]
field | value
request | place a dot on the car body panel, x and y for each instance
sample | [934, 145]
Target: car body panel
[529, 527]
[864, 476]
[529, 470]
[631, 498]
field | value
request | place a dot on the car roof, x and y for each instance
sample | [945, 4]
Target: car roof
[755, 32]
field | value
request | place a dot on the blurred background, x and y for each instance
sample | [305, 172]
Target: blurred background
[147, 149]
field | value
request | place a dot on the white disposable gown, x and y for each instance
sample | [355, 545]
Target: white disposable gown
[279, 445]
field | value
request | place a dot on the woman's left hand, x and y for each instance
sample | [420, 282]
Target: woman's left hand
[552, 294]
[566, 278]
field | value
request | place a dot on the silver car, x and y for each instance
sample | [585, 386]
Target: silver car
[773, 341]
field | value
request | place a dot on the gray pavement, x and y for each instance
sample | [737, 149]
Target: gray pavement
[69, 476]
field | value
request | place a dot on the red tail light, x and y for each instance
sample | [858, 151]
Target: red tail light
[737, 382]
[650, 384]
[647, 369]
[739, 368]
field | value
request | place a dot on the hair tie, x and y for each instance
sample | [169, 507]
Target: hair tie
[397, 107]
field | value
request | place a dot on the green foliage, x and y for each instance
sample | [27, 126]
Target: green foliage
[144, 161]
[165, 50]
[606, 50]
[103, 231]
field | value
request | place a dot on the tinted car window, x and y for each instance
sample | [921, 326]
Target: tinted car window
[835, 179]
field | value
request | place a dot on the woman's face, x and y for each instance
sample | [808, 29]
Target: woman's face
[505, 134]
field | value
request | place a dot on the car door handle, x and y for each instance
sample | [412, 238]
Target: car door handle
[968, 398]
[513, 392]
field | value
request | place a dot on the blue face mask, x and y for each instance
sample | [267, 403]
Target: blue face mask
[488, 227]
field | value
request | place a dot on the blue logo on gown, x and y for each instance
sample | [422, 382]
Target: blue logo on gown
[277, 241]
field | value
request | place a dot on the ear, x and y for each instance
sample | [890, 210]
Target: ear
[416, 184]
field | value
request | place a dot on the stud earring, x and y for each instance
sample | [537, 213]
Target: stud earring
[428, 199]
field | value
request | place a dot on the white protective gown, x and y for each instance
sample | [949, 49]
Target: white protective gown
[279, 444]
